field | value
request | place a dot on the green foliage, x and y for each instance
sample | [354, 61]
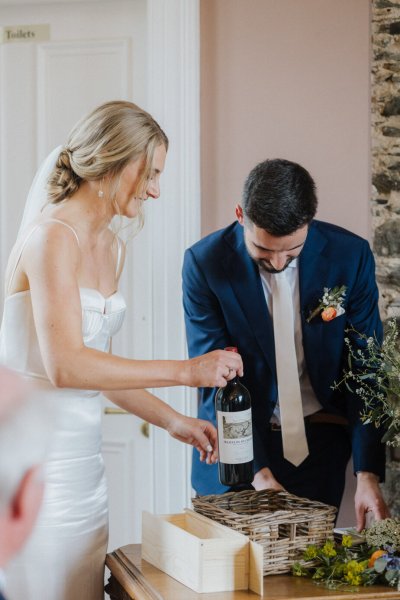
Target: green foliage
[374, 375]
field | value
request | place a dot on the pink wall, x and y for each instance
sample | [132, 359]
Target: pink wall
[289, 79]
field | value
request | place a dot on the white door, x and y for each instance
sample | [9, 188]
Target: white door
[145, 51]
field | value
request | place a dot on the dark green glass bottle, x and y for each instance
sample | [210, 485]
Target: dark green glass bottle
[235, 437]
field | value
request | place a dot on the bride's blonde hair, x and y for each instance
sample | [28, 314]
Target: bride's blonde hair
[102, 144]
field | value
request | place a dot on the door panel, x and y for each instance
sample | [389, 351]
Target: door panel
[63, 82]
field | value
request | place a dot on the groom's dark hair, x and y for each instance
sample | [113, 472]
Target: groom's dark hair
[279, 196]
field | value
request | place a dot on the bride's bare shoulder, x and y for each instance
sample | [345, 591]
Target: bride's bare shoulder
[44, 245]
[51, 241]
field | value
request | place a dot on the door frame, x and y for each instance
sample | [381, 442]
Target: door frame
[174, 98]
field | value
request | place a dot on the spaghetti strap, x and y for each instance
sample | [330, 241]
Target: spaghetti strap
[26, 241]
[66, 225]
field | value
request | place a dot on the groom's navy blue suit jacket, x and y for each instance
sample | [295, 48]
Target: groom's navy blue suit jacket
[225, 306]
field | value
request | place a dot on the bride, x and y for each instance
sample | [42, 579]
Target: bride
[62, 307]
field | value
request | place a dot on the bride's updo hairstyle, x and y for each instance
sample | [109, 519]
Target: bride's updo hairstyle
[102, 144]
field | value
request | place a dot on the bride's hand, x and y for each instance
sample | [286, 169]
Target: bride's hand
[213, 369]
[198, 433]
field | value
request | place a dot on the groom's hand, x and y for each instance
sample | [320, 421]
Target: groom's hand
[264, 480]
[198, 433]
[369, 499]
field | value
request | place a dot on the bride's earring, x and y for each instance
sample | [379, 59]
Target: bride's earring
[100, 193]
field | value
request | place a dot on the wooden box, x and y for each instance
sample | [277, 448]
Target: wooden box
[200, 553]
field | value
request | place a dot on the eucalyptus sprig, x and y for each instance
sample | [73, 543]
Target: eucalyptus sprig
[373, 373]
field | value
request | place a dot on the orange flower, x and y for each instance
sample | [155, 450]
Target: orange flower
[328, 313]
[374, 556]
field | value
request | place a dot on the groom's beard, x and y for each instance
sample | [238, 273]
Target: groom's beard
[266, 266]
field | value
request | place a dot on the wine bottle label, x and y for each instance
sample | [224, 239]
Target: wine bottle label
[235, 437]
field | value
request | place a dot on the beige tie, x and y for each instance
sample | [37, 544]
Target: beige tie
[295, 447]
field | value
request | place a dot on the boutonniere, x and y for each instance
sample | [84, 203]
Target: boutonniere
[330, 305]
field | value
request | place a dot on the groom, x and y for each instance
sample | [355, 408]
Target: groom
[254, 285]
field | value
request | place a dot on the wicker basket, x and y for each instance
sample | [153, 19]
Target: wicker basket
[280, 522]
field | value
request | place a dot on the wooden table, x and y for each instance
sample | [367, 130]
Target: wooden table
[134, 578]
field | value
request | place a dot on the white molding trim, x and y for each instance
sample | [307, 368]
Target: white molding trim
[174, 100]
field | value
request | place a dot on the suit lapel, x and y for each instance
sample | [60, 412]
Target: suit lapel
[314, 268]
[244, 277]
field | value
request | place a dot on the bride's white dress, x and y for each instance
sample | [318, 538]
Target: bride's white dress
[64, 557]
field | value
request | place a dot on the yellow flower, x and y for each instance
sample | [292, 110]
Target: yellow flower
[352, 571]
[319, 573]
[347, 541]
[299, 570]
[353, 579]
[356, 567]
[328, 549]
[310, 552]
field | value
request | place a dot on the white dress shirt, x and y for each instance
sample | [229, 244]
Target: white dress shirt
[309, 400]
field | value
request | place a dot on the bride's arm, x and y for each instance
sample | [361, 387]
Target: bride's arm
[51, 262]
[196, 432]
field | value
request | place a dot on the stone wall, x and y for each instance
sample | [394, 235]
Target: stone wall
[385, 109]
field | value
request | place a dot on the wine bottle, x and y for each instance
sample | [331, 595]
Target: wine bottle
[235, 437]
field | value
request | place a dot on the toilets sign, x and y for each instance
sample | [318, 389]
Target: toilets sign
[24, 33]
